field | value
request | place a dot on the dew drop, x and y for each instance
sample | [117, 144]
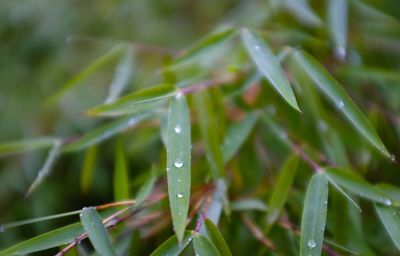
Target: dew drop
[311, 243]
[387, 202]
[340, 53]
[179, 213]
[178, 163]
[179, 195]
[167, 169]
[392, 158]
[2, 229]
[340, 104]
[178, 129]
[179, 180]
[257, 47]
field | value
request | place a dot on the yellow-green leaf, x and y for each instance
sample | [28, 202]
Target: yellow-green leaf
[121, 173]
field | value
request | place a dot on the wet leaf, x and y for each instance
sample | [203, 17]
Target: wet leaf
[216, 238]
[171, 247]
[203, 246]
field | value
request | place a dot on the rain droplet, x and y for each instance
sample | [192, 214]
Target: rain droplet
[179, 195]
[340, 104]
[325, 202]
[178, 163]
[388, 202]
[167, 169]
[178, 129]
[311, 243]
[179, 213]
[392, 158]
[179, 181]
[131, 121]
[257, 47]
[2, 229]
[340, 53]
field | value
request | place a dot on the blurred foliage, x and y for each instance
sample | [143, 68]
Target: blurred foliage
[107, 70]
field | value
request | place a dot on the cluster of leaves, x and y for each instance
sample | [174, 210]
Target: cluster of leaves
[251, 95]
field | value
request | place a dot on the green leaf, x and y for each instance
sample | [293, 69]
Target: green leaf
[217, 238]
[282, 189]
[203, 246]
[88, 168]
[45, 241]
[178, 162]
[171, 247]
[237, 135]
[146, 189]
[390, 218]
[136, 102]
[121, 173]
[338, 96]
[122, 76]
[302, 11]
[203, 46]
[249, 204]
[47, 166]
[89, 70]
[337, 24]
[314, 216]
[96, 231]
[9, 148]
[268, 64]
[104, 132]
[209, 134]
[357, 185]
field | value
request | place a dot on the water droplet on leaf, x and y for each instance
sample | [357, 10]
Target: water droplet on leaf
[311, 243]
[388, 202]
[178, 163]
[178, 129]
[340, 104]
[179, 195]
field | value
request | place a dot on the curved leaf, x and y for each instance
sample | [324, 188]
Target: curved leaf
[357, 185]
[171, 247]
[136, 102]
[104, 132]
[13, 147]
[179, 162]
[390, 217]
[337, 22]
[45, 241]
[96, 231]
[217, 238]
[268, 64]
[237, 135]
[338, 96]
[203, 246]
[314, 216]
[282, 189]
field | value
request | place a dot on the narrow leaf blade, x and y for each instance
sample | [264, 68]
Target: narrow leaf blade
[208, 128]
[217, 238]
[171, 247]
[13, 147]
[97, 233]
[390, 219]
[104, 132]
[45, 241]
[337, 24]
[357, 185]
[314, 216]
[268, 64]
[136, 102]
[237, 135]
[203, 246]
[121, 173]
[179, 162]
[339, 97]
[282, 189]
